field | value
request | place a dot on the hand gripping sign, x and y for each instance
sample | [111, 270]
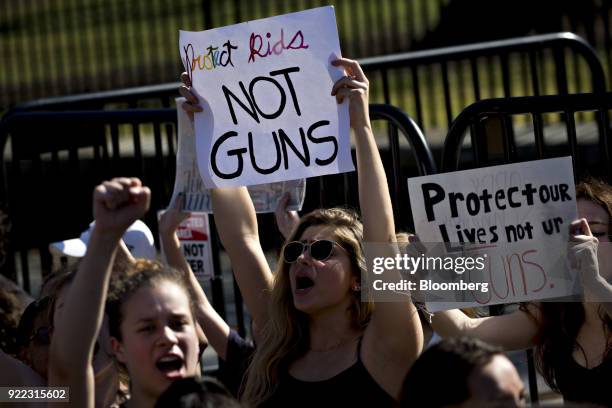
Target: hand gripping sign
[265, 88]
[196, 198]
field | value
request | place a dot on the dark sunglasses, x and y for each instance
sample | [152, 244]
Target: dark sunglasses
[319, 250]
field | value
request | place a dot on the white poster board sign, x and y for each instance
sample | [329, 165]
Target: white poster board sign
[196, 197]
[265, 87]
[518, 215]
[194, 236]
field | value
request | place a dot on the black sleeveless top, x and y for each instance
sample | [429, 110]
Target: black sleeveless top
[580, 384]
[353, 387]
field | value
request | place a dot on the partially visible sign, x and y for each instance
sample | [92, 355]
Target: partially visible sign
[194, 234]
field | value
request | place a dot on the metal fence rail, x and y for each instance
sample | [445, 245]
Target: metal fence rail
[433, 86]
[474, 120]
[60, 47]
[58, 157]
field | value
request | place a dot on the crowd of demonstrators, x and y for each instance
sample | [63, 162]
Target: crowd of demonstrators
[573, 340]
[318, 339]
[124, 331]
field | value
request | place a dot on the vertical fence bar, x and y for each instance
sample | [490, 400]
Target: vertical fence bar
[491, 76]
[538, 132]
[503, 59]
[138, 149]
[385, 84]
[560, 71]
[114, 134]
[475, 78]
[397, 179]
[605, 14]
[159, 156]
[431, 96]
[417, 96]
[570, 125]
[447, 97]
[532, 377]
[524, 63]
[399, 89]
[460, 83]
[475, 145]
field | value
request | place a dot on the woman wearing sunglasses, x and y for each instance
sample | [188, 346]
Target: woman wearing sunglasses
[319, 343]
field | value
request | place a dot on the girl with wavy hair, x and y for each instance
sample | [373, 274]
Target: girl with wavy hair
[573, 340]
[317, 341]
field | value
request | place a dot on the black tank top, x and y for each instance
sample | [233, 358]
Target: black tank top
[579, 384]
[353, 387]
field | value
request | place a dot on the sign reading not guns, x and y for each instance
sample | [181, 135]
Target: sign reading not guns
[265, 88]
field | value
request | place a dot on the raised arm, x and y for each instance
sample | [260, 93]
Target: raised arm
[514, 331]
[394, 332]
[236, 222]
[117, 204]
[214, 327]
[583, 252]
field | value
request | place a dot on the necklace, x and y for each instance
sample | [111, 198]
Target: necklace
[335, 346]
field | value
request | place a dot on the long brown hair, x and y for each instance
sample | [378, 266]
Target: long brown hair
[559, 323]
[285, 337]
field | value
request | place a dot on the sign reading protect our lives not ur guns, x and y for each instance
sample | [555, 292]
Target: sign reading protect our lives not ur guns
[518, 215]
[265, 89]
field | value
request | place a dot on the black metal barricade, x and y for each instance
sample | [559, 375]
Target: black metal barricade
[151, 96]
[432, 86]
[530, 66]
[592, 156]
[56, 158]
[492, 126]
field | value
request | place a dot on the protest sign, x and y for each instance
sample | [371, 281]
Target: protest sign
[516, 215]
[265, 88]
[194, 236]
[195, 197]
